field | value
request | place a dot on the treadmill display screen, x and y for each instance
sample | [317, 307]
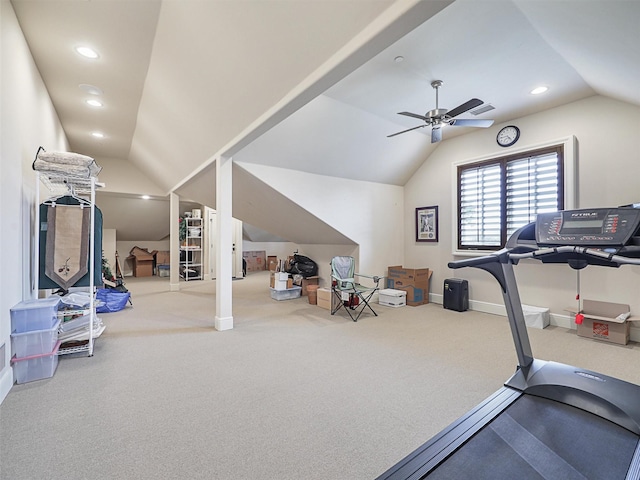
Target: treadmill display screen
[582, 224]
[594, 227]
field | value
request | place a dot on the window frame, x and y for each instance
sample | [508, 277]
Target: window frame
[567, 185]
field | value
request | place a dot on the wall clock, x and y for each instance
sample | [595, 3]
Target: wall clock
[508, 135]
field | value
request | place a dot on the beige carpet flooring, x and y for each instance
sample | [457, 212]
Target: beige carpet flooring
[290, 393]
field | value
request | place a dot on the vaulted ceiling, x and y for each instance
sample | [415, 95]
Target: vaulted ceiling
[306, 84]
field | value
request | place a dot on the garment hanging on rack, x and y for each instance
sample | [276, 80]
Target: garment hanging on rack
[44, 280]
[67, 250]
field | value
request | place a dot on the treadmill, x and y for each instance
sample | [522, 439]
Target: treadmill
[549, 420]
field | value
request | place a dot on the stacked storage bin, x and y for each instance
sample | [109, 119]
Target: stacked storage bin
[34, 339]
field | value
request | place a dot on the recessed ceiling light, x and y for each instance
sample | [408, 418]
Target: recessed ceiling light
[98, 134]
[398, 59]
[87, 52]
[539, 90]
[145, 197]
[91, 89]
[94, 103]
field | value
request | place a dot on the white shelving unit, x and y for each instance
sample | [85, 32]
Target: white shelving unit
[191, 266]
[83, 189]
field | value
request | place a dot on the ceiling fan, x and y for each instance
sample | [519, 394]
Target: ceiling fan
[438, 117]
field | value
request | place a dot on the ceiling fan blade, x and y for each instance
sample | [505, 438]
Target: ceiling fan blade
[405, 131]
[436, 135]
[471, 122]
[473, 103]
[414, 115]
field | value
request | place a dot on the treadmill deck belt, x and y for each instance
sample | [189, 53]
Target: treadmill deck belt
[536, 438]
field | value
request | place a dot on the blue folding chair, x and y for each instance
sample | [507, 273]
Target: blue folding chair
[351, 295]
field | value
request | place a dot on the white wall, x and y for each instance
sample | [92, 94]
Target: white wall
[608, 171]
[279, 249]
[28, 120]
[370, 214]
[322, 255]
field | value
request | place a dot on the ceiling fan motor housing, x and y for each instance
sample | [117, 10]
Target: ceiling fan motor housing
[437, 113]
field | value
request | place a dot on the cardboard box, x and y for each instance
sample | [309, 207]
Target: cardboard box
[308, 281]
[326, 299]
[605, 321]
[414, 281]
[280, 281]
[272, 263]
[141, 262]
[415, 296]
[163, 257]
[256, 260]
[417, 277]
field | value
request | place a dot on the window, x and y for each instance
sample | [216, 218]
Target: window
[500, 195]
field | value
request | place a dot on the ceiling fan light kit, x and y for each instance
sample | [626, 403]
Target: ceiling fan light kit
[438, 117]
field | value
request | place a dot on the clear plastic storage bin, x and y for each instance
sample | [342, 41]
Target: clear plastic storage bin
[39, 314]
[164, 270]
[287, 294]
[35, 342]
[35, 367]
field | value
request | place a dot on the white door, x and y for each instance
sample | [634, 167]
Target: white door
[212, 243]
[236, 248]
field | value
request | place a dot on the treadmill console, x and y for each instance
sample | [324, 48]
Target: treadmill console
[596, 227]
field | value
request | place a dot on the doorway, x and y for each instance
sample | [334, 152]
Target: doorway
[236, 248]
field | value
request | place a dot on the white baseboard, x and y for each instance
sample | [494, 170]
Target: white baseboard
[435, 298]
[223, 323]
[555, 319]
[6, 382]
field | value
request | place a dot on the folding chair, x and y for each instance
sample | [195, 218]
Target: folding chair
[351, 295]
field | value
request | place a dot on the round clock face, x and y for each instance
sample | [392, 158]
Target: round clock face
[508, 136]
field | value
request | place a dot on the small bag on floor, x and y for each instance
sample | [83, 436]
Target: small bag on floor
[112, 300]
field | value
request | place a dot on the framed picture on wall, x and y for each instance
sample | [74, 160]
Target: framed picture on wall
[427, 224]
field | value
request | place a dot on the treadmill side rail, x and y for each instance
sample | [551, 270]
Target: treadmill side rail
[634, 468]
[435, 451]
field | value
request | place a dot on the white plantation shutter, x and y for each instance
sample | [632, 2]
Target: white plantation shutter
[532, 188]
[498, 196]
[480, 205]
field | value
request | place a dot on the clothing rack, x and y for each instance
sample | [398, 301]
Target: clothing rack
[59, 184]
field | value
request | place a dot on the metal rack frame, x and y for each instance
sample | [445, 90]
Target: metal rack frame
[59, 185]
[192, 250]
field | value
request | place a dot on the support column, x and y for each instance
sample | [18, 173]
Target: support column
[174, 242]
[224, 244]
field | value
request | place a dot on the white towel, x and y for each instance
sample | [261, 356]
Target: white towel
[66, 163]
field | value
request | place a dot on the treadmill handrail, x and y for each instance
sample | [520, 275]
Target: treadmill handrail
[600, 254]
[492, 263]
[474, 262]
